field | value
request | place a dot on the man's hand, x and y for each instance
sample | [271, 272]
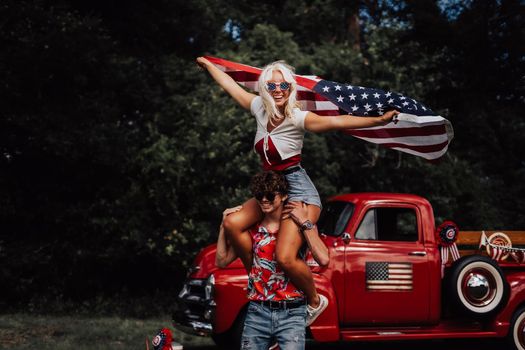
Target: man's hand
[229, 211]
[297, 211]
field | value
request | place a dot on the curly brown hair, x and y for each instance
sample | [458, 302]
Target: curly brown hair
[268, 181]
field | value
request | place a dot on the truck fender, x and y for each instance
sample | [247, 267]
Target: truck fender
[230, 297]
[326, 326]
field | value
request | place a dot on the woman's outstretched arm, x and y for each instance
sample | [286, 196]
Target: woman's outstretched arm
[316, 123]
[225, 253]
[243, 97]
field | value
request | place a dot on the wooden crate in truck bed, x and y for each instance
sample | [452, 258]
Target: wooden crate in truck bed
[468, 241]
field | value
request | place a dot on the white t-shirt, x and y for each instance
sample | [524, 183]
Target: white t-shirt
[287, 137]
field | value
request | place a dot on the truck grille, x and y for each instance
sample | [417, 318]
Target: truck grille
[192, 308]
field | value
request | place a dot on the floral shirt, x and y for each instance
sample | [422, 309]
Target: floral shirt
[266, 280]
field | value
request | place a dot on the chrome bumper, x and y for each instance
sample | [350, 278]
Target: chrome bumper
[196, 308]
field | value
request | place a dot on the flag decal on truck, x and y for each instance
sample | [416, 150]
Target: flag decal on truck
[388, 276]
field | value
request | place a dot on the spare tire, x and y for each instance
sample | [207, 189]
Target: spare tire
[476, 286]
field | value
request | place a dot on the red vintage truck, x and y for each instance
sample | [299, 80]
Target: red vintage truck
[385, 280]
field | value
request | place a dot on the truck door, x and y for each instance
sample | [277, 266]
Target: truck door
[387, 273]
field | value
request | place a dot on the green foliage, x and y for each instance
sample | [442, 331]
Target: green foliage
[118, 154]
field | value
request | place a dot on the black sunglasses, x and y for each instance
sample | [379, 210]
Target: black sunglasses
[270, 196]
[272, 86]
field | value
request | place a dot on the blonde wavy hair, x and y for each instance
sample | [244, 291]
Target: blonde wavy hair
[269, 104]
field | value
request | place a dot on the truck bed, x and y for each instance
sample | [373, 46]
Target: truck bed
[468, 241]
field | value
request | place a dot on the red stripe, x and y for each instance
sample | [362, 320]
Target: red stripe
[400, 132]
[305, 82]
[310, 95]
[241, 76]
[422, 149]
[233, 65]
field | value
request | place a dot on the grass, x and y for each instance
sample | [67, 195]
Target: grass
[24, 331]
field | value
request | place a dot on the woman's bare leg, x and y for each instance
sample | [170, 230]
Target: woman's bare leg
[235, 227]
[289, 242]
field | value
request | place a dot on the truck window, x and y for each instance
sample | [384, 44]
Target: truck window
[389, 224]
[334, 218]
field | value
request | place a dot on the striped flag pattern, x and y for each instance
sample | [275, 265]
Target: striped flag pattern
[500, 249]
[386, 276]
[518, 256]
[444, 251]
[497, 253]
[419, 131]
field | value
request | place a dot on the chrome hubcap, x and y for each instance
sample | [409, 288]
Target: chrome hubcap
[479, 287]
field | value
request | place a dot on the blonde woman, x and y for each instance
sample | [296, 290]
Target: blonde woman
[278, 141]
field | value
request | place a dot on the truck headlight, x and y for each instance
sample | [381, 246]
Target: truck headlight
[209, 287]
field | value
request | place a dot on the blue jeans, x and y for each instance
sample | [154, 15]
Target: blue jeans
[264, 326]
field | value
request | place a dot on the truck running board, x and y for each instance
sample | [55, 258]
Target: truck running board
[444, 330]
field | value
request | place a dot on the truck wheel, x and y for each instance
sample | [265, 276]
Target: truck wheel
[231, 339]
[516, 336]
[477, 286]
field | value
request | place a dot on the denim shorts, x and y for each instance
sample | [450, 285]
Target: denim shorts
[264, 326]
[302, 189]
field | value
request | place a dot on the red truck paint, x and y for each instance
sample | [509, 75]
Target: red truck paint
[355, 312]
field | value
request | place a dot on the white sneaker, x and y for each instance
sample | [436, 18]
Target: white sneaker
[313, 313]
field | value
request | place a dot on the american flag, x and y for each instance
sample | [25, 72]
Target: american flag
[388, 276]
[419, 131]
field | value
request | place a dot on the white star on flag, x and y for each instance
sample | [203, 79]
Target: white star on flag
[376, 95]
[364, 96]
[337, 88]
[326, 89]
[340, 98]
[352, 97]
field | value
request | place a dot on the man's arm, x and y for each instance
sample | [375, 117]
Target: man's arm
[299, 214]
[225, 253]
